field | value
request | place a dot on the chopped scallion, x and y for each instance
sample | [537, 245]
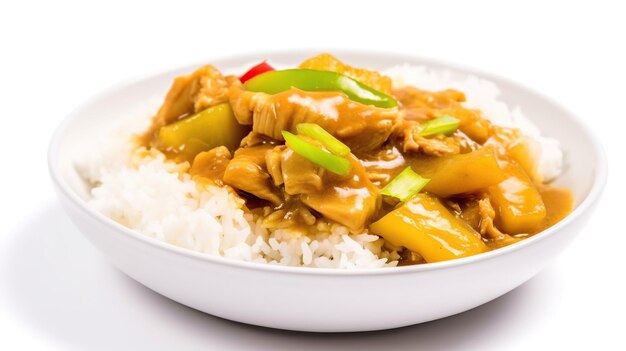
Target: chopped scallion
[440, 125]
[405, 185]
[316, 132]
[317, 155]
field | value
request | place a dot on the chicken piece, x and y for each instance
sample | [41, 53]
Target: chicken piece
[254, 139]
[203, 88]
[328, 62]
[299, 175]
[348, 200]
[480, 214]
[292, 214]
[209, 89]
[362, 127]
[487, 216]
[439, 145]
[211, 164]
[384, 165]
[273, 158]
[247, 171]
[421, 106]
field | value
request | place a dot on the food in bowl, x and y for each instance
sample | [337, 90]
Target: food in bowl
[326, 165]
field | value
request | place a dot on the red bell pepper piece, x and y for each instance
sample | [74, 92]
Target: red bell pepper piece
[255, 71]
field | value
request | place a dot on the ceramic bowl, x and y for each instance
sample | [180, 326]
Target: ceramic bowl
[322, 300]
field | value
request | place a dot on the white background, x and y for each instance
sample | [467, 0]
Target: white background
[58, 292]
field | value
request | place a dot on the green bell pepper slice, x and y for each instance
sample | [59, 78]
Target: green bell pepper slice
[336, 164]
[275, 82]
[209, 128]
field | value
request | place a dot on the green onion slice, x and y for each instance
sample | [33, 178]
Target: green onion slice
[440, 125]
[315, 132]
[317, 155]
[405, 185]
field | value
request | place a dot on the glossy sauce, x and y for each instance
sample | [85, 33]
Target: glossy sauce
[487, 161]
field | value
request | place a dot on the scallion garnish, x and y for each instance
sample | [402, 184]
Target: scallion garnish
[405, 185]
[315, 132]
[440, 125]
[317, 155]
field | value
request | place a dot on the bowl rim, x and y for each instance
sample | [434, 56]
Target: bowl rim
[63, 189]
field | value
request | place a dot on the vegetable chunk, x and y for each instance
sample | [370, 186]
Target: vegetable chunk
[519, 205]
[405, 185]
[317, 155]
[212, 127]
[274, 82]
[460, 174]
[424, 225]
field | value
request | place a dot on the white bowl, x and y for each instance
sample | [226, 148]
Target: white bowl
[323, 300]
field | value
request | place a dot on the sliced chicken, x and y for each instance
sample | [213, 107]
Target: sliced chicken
[203, 88]
[479, 213]
[362, 127]
[211, 164]
[349, 200]
[435, 146]
[421, 106]
[248, 171]
[297, 174]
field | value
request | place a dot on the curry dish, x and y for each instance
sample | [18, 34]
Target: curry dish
[434, 179]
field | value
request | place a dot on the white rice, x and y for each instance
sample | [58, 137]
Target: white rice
[156, 197]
